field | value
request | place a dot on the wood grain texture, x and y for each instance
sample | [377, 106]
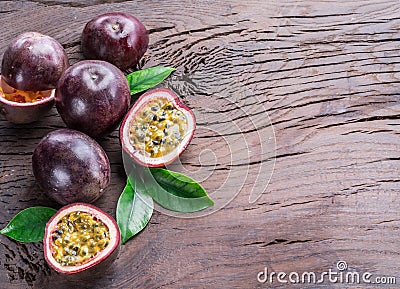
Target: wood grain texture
[328, 75]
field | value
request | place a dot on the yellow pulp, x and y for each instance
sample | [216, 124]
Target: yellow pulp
[24, 96]
[158, 128]
[79, 237]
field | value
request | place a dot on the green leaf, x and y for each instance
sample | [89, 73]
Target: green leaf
[175, 191]
[29, 224]
[134, 210]
[144, 79]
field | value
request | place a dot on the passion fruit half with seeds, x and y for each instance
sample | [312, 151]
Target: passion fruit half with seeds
[157, 128]
[81, 238]
[71, 167]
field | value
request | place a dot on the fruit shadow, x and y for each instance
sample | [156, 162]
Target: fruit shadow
[96, 280]
[23, 138]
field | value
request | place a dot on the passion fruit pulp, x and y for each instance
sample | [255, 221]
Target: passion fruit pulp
[157, 128]
[81, 237]
[70, 167]
[92, 96]
[115, 37]
[24, 106]
[20, 96]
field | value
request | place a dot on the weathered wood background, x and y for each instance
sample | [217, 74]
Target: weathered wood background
[327, 73]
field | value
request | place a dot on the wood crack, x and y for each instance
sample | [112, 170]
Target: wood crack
[366, 119]
[313, 16]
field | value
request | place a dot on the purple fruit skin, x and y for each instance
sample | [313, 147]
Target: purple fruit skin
[116, 37]
[92, 96]
[71, 167]
[33, 62]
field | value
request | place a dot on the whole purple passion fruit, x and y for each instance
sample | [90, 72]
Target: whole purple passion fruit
[157, 128]
[33, 62]
[92, 96]
[71, 167]
[81, 238]
[116, 37]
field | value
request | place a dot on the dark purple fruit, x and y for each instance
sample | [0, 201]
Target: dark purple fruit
[33, 62]
[71, 167]
[92, 96]
[116, 37]
[81, 240]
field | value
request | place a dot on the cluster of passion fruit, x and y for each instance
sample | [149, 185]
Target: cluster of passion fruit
[92, 97]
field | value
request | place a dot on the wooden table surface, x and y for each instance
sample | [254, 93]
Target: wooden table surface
[324, 75]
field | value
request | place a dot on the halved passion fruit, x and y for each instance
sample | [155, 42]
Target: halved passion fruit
[80, 237]
[157, 129]
[20, 106]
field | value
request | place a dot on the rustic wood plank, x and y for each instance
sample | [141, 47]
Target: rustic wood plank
[328, 76]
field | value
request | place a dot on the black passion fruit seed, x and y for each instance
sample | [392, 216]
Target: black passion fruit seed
[158, 128]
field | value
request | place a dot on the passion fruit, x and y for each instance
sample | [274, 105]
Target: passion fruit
[31, 67]
[81, 238]
[70, 167]
[157, 128]
[33, 62]
[116, 37]
[92, 96]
